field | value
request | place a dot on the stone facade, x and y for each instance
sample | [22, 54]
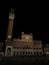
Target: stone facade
[27, 49]
[24, 46]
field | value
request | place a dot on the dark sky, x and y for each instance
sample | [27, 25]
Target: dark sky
[27, 19]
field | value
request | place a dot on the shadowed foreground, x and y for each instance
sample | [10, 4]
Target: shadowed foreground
[24, 60]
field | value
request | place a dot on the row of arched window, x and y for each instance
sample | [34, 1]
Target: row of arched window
[28, 48]
[27, 53]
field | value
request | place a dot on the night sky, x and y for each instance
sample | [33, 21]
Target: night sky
[34, 20]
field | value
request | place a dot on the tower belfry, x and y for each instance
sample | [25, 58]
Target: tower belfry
[11, 14]
[10, 26]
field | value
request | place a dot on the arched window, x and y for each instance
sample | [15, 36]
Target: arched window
[20, 52]
[31, 52]
[34, 53]
[28, 52]
[37, 53]
[40, 53]
[17, 53]
[34, 48]
[14, 53]
[23, 52]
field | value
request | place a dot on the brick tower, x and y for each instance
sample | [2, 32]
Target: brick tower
[10, 27]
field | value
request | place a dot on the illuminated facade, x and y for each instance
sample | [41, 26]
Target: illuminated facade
[24, 46]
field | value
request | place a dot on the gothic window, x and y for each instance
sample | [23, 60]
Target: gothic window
[28, 52]
[14, 53]
[34, 53]
[40, 52]
[34, 48]
[20, 52]
[23, 52]
[39, 48]
[31, 52]
[37, 53]
[17, 53]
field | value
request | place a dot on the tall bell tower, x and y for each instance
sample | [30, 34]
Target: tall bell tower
[10, 26]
